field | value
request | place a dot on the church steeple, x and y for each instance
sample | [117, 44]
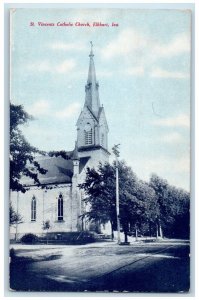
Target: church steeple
[92, 127]
[91, 88]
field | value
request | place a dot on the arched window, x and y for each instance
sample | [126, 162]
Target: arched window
[33, 209]
[60, 207]
[88, 134]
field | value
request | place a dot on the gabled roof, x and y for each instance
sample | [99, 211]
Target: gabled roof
[59, 170]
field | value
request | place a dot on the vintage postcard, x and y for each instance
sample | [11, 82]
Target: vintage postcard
[100, 150]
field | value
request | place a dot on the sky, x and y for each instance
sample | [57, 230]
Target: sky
[143, 69]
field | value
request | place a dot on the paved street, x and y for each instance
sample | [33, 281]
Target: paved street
[141, 267]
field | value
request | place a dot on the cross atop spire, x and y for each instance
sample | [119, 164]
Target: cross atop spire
[91, 53]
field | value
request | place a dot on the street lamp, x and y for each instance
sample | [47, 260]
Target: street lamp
[117, 154]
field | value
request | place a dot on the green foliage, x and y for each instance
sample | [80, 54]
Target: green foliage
[22, 162]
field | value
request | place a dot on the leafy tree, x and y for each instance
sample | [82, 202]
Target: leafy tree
[100, 190]
[182, 218]
[64, 154]
[160, 187]
[22, 161]
[173, 206]
[147, 208]
[46, 226]
[99, 187]
[15, 218]
[179, 203]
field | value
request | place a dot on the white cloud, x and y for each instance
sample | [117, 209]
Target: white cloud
[168, 164]
[173, 137]
[65, 66]
[166, 167]
[180, 44]
[160, 73]
[69, 111]
[39, 66]
[41, 107]
[141, 52]
[127, 41]
[67, 46]
[130, 40]
[177, 165]
[139, 71]
[181, 120]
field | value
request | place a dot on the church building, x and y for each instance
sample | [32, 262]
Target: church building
[58, 199]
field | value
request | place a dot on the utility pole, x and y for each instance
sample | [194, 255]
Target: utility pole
[16, 233]
[116, 152]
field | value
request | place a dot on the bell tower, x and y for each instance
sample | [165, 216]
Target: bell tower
[92, 127]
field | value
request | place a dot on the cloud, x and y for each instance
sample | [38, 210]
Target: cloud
[57, 45]
[181, 164]
[41, 107]
[139, 71]
[178, 45]
[69, 111]
[181, 120]
[140, 53]
[133, 43]
[65, 66]
[160, 73]
[177, 164]
[175, 170]
[39, 66]
[127, 41]
[171, 138]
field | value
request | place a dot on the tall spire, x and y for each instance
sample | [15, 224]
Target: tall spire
[91, 88]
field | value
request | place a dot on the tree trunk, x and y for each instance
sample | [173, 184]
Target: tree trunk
[125, 237]
[82, 223]
[160, 231]
[112, 232]
[16, 232]
[136, 234]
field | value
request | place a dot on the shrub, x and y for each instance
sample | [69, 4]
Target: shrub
[12, 253]
[29, 238]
